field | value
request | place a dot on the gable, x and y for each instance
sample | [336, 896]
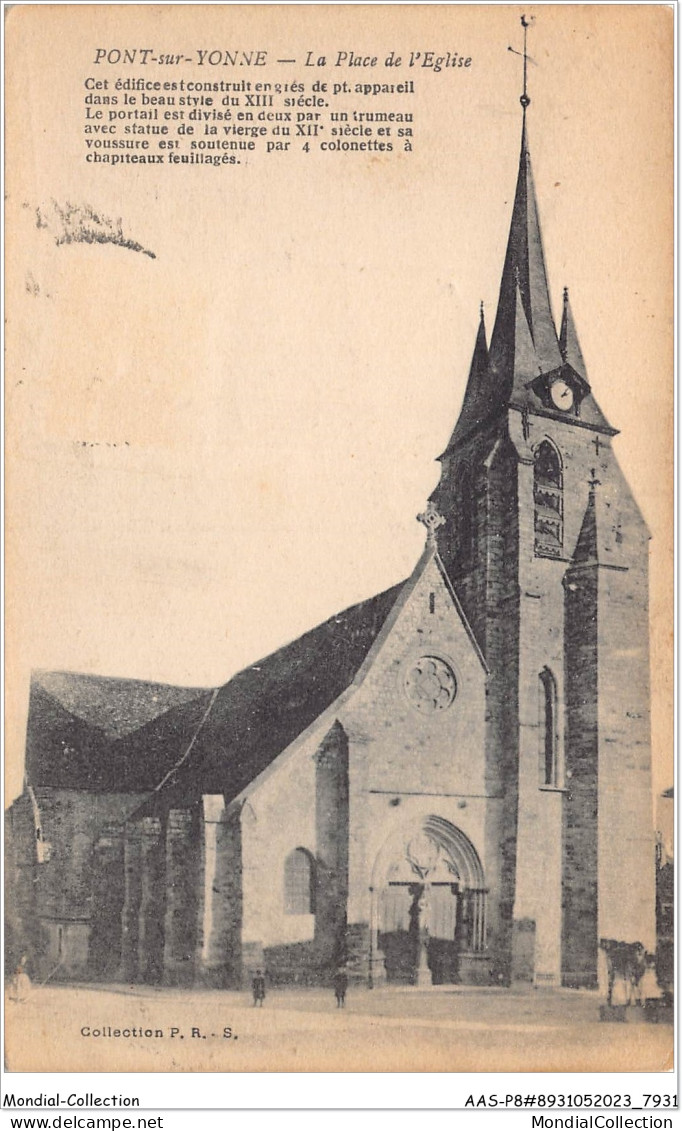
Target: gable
[428, 609]
[416, 719]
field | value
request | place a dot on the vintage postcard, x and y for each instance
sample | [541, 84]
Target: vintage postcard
[339, 538]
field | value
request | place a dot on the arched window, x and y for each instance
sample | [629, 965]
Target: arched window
[548, 499]
[549, 763]
[299, 883]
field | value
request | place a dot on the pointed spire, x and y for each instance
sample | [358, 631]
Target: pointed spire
[526, 361]
[568, 341]
[524, 268]
[525, 353]
[476, 400]
[479, 360]
[586, 549]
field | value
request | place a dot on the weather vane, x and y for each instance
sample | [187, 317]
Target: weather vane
[525, 24]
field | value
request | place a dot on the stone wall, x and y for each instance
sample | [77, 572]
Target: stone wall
[62, 885]
[404, 766]
[331, 844]
[21, 921]
[219, 908]
[183, 884]
[626, 837]
[580, 853]
[108, 897]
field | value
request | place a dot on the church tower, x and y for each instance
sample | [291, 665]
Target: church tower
[447, 782]
[548, 553]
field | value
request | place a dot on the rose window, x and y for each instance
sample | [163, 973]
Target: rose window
[430, 684]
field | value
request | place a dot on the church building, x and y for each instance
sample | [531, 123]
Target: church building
[447, 783]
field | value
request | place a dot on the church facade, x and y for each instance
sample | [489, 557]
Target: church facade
[447, 783]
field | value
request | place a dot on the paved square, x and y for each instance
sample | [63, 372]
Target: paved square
[139, 1029]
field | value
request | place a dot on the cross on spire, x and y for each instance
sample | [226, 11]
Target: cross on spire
[525, 24]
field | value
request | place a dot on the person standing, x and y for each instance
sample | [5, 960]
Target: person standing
[340, 987]
[258, 987]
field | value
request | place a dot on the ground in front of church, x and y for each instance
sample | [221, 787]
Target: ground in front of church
[444, 1029]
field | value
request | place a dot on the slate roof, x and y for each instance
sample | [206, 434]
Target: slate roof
[265, 707]
[116, 706]
[89, 733]
[524, 274]
[75, 723]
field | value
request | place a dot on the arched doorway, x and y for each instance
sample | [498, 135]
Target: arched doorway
[428, 905]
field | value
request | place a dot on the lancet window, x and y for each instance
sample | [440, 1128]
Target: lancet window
[299, 883]
[549, 763]
[548, 497]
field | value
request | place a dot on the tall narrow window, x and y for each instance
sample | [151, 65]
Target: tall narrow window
[549, 769]
[548, 499]
[299, 883]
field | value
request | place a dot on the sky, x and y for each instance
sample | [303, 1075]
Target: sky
[211, 450]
